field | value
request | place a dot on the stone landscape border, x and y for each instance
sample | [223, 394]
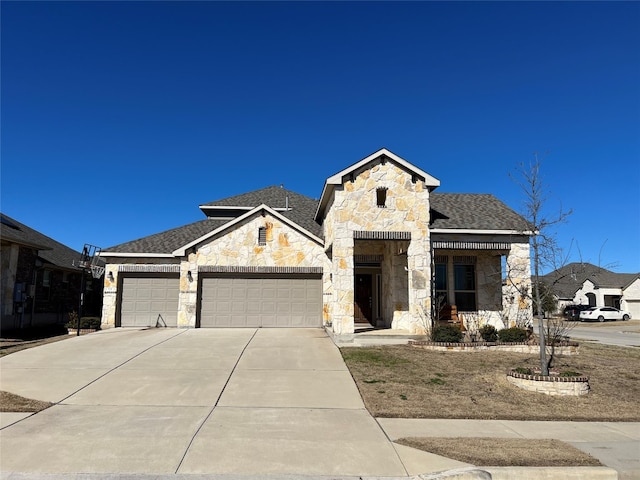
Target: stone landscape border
[550, 384]
[563, 348]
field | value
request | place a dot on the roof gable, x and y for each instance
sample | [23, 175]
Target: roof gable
[567, 280]
[296, 207]
[381, 155]
[176, 241]
[261, 208]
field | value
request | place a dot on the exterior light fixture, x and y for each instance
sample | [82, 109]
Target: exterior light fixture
[189, 276]
[110, 276]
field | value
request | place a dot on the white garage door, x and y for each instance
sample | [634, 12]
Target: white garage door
[261, 302]
[634, 309]
[149, 301]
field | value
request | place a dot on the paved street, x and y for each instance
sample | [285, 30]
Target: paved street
[625, 334]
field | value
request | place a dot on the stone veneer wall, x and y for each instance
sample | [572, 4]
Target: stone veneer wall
[110, 287]
[516, 292]
[285, 247]
[354, 208]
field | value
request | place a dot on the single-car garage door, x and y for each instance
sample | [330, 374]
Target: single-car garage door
[148, 301]
[633, 307]
[276, 301]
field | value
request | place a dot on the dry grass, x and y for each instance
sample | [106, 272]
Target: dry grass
[10, 402]
[505, 452]
[409, 382]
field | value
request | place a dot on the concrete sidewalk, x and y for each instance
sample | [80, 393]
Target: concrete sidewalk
[615, 444]
[231, 403]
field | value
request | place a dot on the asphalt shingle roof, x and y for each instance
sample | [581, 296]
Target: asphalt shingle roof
[302, 211]
[567, 280]
[169, 240]
[450, 210]
[49, 249]
[476, 211]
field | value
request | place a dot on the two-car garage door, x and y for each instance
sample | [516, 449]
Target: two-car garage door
[274, 301]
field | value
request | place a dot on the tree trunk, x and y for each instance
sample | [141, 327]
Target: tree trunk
[544, 366]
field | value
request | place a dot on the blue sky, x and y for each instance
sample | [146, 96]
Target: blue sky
[120, 118]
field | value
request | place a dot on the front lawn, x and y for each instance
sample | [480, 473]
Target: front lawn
[409, 382]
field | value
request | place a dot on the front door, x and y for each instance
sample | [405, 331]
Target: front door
[363, 298]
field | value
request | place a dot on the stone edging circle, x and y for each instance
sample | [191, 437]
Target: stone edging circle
[547, 378]
[553, 385]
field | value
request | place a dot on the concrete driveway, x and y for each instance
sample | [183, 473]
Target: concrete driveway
[217, 401]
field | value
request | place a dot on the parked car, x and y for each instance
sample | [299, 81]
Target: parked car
[572, 312]
[603, 314]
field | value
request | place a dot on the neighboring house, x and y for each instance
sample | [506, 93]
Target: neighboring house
[376, 248]
[587, 284]
[39, 284]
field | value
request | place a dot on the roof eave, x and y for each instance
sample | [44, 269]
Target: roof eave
[133, 254]
[180, 252]
[481, 231]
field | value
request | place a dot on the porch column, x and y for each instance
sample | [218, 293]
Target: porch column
[109, 296]
[419, 266]
[516, 294]
[342, 312]
[187, 298]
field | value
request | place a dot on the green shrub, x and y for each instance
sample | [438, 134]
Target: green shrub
[569, 373]
[85, 322]
[446, 334]
[523, 371]
[488, 333]
[513, 334]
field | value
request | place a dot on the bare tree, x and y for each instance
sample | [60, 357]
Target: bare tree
[543, 243]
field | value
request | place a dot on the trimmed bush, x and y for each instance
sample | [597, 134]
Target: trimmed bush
[85, 322]
[513, 334]
[488, 333]
[523, 370]
[446, 334]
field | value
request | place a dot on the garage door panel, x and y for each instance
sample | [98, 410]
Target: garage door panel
[144, 300]
[268, 307]
[267, 293]
[238, 308]
[253, 308]
[261, 302]
[283, 308]
[269, 321]
[299, 308]
[298, 293]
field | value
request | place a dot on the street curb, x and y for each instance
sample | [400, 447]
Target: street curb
[552, 473]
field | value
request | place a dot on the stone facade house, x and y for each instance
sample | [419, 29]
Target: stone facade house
[581, 283]
[375, 249]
